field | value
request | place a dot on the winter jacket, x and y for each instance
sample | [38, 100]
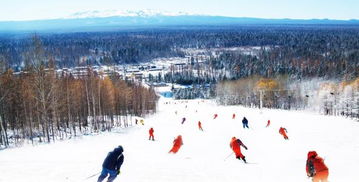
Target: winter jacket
[114, 159]
[236, 144]
[178, 141]
[151, 131]
[315, 164]
[183, 120]
[245, 121]
[282, 130]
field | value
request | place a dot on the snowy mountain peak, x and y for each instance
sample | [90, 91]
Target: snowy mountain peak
[126, 13]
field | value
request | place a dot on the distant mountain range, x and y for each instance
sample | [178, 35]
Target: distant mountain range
[127, 13]
[117, 20]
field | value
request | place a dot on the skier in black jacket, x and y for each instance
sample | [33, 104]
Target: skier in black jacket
[112, 164]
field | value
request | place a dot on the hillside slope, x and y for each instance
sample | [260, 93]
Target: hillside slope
[203, 157]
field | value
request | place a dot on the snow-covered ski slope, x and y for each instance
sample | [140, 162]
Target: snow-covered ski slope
[202, 158]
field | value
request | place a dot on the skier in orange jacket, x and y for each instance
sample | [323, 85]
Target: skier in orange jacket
[177, 143]
[200, 125]
[151, 134]
[283, 132]
[235, 145]
[316, 168]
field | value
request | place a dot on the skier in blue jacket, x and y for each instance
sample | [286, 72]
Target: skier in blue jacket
[112, 164]
[245, 122]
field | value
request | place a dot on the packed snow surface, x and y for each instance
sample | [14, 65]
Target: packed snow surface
[204, 155]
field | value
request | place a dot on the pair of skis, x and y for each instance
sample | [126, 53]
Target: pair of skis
[232, 154]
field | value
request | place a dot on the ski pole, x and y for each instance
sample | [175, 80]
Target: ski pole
[93, 175]
[228, 156]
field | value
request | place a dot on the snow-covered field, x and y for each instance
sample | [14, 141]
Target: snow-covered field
[202, 158]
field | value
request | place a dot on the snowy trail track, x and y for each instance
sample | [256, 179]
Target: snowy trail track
[202, 157]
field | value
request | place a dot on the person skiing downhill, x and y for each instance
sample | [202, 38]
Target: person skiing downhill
[316, 168]
[151, 131]
[183, 120]
[177, 143]
[112, 164]
[283, 132]
[234, 116]
[245, 122]
[268, 123]
[215, 116]
[235, 145]
[200, 125]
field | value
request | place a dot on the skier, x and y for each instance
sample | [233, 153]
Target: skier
[283, 132]
[235, 145]
[183, 120]
[316, 168]
[200, 125]
[268, 123]
[151, 134]
[136, 121]
[112, 164]
[245, 122]
[215, 116]
[142, 122]
[177, 143]
[234, 116]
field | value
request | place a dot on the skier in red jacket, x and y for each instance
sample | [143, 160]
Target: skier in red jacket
[316, 168]
[235, 145]
[234, 116]
[177, 143]
[151, 134]
[268, 123]
[200, 125]
[215, 116]
[283, 132]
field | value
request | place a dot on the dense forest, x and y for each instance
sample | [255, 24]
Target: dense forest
[273, 66]
[41, 105]
[300, 50]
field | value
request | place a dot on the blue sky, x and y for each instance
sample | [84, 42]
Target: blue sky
[298, 9]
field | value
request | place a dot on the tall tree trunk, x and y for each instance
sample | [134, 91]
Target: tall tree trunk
[99, 101]
[94, 119]
[87, 100]
[30, 127]
[3, 132]
[69, 118]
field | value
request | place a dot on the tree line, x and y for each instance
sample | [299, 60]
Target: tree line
[298, 45]
[329, 97]
[42, 105]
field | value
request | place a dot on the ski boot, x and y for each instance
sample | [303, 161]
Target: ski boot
[244, 159]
